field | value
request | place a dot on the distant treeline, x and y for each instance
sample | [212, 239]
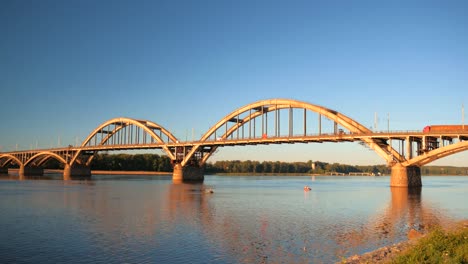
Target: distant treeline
[155, 162]
[124, 162]
[131, 162]
[309, 167]
[318, 167]
[444, 170]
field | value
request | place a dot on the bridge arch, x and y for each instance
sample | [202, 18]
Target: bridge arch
[247, 113]
[46, 155]
[123, 130]
[438, 153]
[8, 159]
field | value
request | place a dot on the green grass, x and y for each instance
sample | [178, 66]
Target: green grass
[438, 246]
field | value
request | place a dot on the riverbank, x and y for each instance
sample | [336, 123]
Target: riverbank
[143, 172]
[104, 172]
[108, 172]
[442, 241]
[311, 174]
[285, 174]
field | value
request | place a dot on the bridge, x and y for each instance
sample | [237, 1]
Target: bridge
[273, 121]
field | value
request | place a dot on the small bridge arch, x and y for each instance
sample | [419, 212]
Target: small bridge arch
[43, 157]
[6, 159]
[125, 131]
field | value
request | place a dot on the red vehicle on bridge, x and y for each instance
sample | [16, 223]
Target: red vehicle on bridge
[445, 128]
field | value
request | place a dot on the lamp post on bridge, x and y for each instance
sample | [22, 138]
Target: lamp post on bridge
[463, 116]
[388, 122]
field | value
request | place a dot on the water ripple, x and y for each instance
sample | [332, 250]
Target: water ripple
[246, 220]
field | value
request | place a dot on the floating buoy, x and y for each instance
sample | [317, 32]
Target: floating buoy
[307, 188]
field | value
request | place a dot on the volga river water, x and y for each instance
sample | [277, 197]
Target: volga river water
[248, 219]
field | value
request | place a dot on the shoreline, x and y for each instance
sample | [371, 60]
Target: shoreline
[387, 254]
[315, 174]
[123, 172]
[107, 172]
[381, 255]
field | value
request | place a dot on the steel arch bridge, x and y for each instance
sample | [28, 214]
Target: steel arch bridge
[272, 121]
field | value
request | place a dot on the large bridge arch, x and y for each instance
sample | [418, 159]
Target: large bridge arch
[107, 131]
[264, 107]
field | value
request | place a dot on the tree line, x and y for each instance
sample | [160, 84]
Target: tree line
[123, 162]
[444, 170]
[162, 163]
[155, 162]
[309, 167]
[131, 162]
[318, 167]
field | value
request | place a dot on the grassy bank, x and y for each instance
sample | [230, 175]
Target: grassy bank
[439, 246]
[449, 245]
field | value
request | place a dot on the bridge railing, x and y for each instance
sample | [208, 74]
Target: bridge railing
[324, 134]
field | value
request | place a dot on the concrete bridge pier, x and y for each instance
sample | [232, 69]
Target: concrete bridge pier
[188, 173]
[3, 170]
[403, 176]
[30, 171]
[76, 171]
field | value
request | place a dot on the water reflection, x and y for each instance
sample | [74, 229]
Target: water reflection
[149, 216]
[153, 220]
[406, 210]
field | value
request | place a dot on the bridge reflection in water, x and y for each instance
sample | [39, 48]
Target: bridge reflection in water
[405, 211]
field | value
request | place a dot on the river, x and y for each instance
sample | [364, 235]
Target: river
[247, 219]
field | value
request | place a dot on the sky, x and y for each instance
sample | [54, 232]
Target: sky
[68, 66]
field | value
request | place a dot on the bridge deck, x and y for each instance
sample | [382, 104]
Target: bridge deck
[343, 137]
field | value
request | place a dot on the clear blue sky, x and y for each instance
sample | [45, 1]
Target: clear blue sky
[68, 66]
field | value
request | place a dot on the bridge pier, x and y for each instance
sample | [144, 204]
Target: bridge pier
[30, 171]
[188, 173]
[402, 176]
[76, 171]
[3, 170]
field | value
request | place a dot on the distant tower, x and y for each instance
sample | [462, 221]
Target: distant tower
[313, 166]
[375, 121]
[463, 116]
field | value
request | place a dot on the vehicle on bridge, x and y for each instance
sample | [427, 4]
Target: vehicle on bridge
[445, 128]
[432, 142]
